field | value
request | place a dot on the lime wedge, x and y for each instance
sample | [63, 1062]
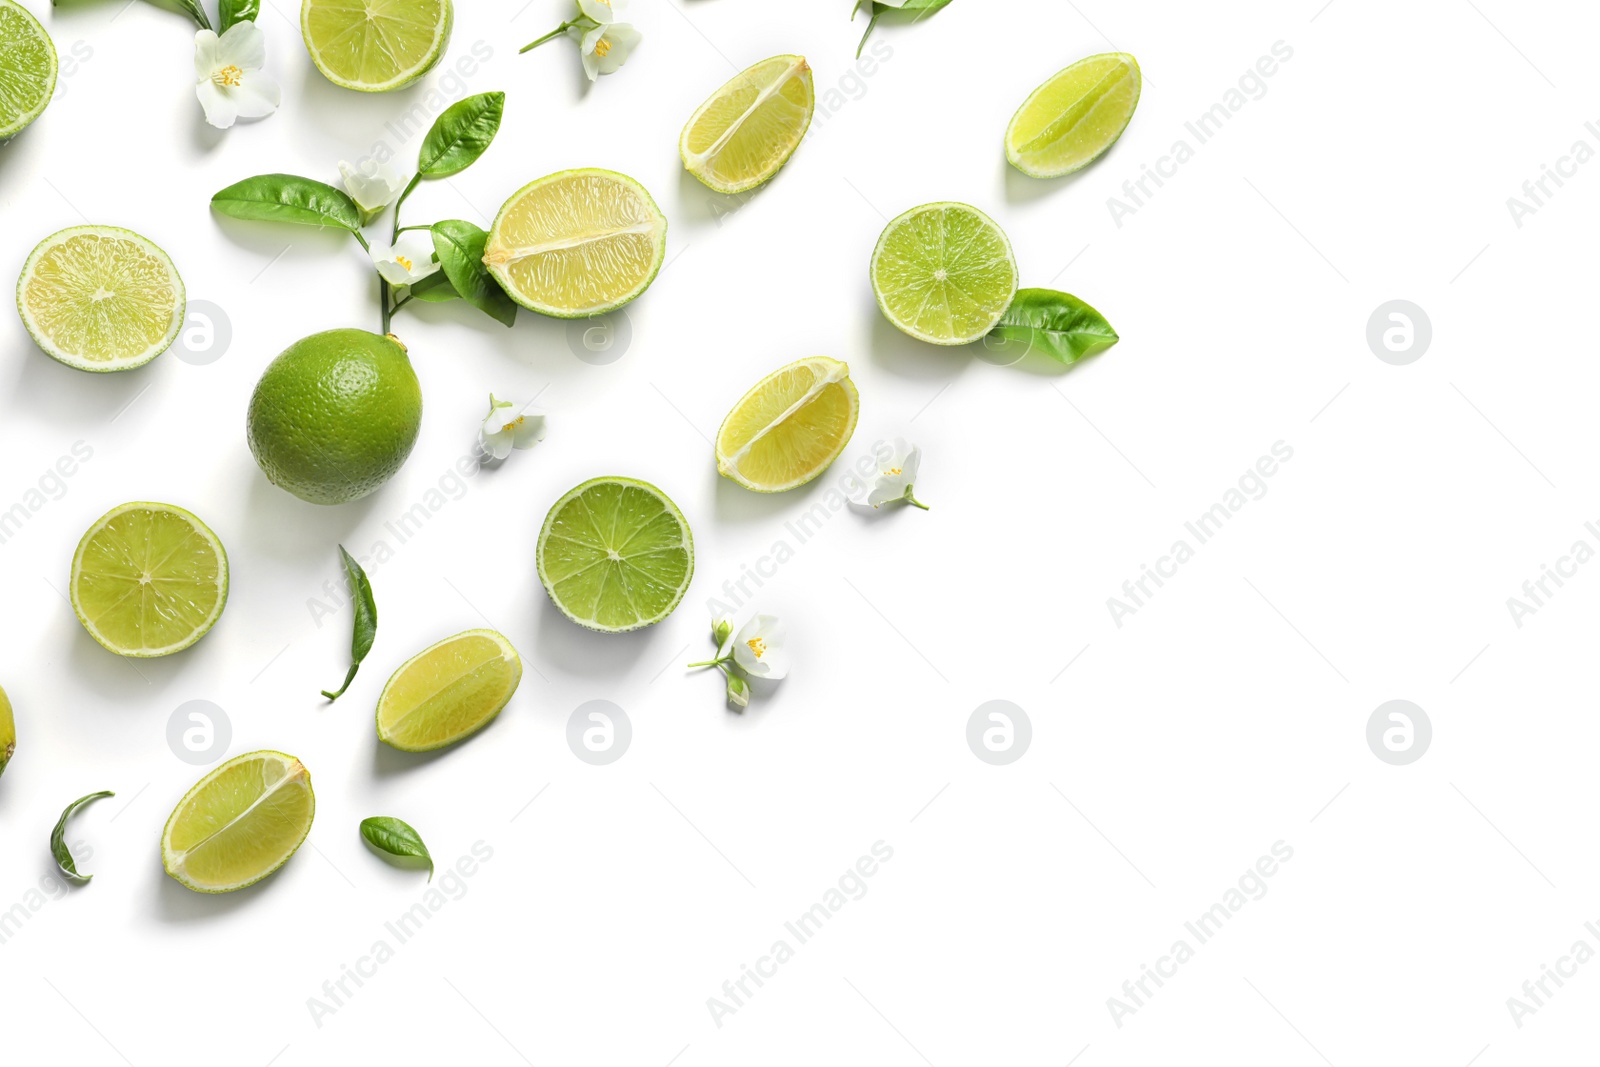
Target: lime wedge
[1071, 120]
[374, 46]
[100, 298]
[577, 243]
[8, 732]
[615, 554]
[944, 273]
[27, 68]
[239, 823]
[448, 691]
[149, 580]
[789, 426]
[751, 126]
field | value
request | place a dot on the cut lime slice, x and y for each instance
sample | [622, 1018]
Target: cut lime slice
[374, 46]
[789, 427]
[615, 554]
[149, 580]
[1070, 120]
[239, 823]
[448, 691]
[27, 68]
[8, 732]
[100, 298]
[577, 243]
[751, 126]
[944, 273]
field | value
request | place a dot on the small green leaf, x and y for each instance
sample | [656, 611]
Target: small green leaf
[459, 246]
[876, 10]
[1057, 324]
[193, 9]
[58, 838]
[288, 198]
[460, 135]
[230, 12]
[434, 289]
[365, 627]
[395, 838]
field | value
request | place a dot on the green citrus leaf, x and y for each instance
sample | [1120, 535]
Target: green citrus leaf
[288, 198]
[366, 619]
[1057, 324]
[58, 838]
[459, 246]
[460, 135]
[395, 838]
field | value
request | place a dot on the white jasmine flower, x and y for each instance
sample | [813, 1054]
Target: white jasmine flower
[897, 476]
[606, 47]
[228, 76]
[409, 261]
[373, 185]
[758, 649]
[504, 429]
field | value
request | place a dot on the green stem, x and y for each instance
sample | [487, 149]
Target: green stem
[347, 680]
[713, 663]
[415, 180]
[357, 235]
[402, 302]
[877, 13]
[383, 301]
[913, 501]
[552, 35]
[405, 229]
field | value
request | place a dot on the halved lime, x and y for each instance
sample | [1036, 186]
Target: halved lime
[239, 823]
[373, 46]
[751, 126]
[149, 580]
[944, 273]
[100, 298]
[789, 426]
[615, 554]
[1069, 121]
[577, 243]
[448, 691]
[27, 68]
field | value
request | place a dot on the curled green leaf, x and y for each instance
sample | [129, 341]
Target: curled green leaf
[58, 838]
[289, 198]
[876, 11]
[459, 246]
[365, 626]
[395, 838]
[1057, 324]
[231, 12]
[461, 134]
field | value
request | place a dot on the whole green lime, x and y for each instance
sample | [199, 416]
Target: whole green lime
[335, 415]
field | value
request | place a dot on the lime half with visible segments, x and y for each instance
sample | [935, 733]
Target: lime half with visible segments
[27, 69]
[100, 298]
[577, 243]
[373, 46]
[615, 554]
[751, 126]
[448, 691]
[790, 426]
[944, 273]
[239, 823]
[1069, 121]
[148, 580]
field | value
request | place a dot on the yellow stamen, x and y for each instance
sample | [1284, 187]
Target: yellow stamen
[229, 75]
[602, 47]
[758, 646]
[404, 262]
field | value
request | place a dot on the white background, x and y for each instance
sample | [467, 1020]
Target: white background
[1227, 714]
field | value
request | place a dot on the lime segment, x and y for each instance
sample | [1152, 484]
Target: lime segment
[789, 426]
[373, 46]
[149, 580]
[100, 298]
[944, 273]
[27, 68]
[240, 823]
[615, 554]
[581, 242]
[448, 691]
[1070, 120]
[751, 126]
